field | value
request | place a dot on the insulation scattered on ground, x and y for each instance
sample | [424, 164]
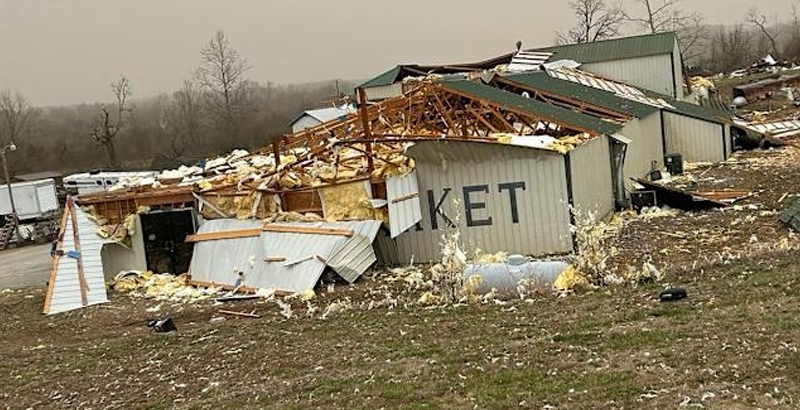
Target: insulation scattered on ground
[164, 287]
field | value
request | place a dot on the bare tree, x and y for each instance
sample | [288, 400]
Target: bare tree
[180, 118]
[222, 76]
[658, 16]
[759, 21]
[107, 126]
[595, 21]
[17, 117]
[729, 48]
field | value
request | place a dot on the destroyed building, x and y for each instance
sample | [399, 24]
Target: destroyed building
[501, 154]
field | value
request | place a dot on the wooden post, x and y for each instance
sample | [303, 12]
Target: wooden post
[77, 239]
[56, 258]
[276, 151]
[362, 102]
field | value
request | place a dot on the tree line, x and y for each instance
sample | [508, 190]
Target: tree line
[705, 48]
[217, 109]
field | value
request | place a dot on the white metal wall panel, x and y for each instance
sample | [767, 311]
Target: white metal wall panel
[646, 146]
[696, 140]
[66, 294]
[220, 261]
[653, 73]
[592, 185]
[384, 92]
[46, 194]
[542, 216]
[406, 212]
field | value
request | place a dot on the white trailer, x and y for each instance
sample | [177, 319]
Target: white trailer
[91, 182]
[33, 200]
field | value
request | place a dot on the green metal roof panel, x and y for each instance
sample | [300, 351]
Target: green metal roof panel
[614, 49]
[692, 110]
[387, 78]
[601, 98]
[545, 111]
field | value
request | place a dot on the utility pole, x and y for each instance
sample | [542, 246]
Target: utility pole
[10, 147]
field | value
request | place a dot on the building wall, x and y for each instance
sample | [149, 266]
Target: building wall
[592, 185]
[117, 258]
[305, 121]
[696, 140]
[384, 92]
[646, 146]
[534, 220]
[653, 73]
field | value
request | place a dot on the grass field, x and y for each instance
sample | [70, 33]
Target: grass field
[731, 344]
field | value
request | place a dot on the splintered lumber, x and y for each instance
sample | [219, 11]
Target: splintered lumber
[725, 195]
[405, 197]
[274, 259]
[241, 314]
[307, 230]
[213, 236]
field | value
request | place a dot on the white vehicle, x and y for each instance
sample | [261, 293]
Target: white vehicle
[91, 182]
[33, 200]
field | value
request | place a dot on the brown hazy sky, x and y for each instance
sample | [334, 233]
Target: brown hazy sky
[65, 51]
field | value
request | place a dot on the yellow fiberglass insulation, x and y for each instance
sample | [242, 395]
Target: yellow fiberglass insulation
[350, 202]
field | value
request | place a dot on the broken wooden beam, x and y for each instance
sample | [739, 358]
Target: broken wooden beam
[213, 236]
[307, 230]
[240, 314]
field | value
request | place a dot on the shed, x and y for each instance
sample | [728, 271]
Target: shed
[651, 61]
[502, 197]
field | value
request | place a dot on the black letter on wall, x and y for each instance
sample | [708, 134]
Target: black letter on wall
[437, 209]
[469, 206]
[512, 196]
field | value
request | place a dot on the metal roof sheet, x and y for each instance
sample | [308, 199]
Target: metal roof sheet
[595, 96]
[615, 49]
[306, 256]
[620, 89]
[528, 60]
[558, 115]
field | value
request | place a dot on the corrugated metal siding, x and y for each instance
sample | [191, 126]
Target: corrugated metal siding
[220, 261]
[542, 225]
[405, 213]
[384, 92]
[354, 257]
[46, 193]
[646, 146]
[653, 73]
[592, 185]
[696, 140]
[66, 288]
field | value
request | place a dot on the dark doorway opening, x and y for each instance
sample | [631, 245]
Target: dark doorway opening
[165, 244]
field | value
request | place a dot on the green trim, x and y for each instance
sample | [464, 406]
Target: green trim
[387, 78]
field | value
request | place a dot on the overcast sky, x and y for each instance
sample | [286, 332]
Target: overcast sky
[67, 51]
